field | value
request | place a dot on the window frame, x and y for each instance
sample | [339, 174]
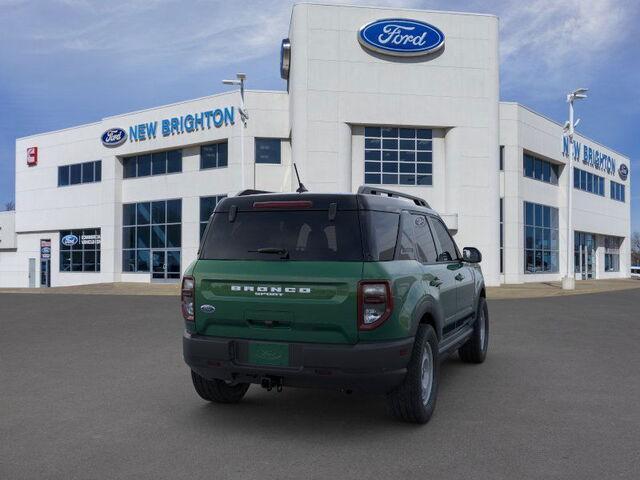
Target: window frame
[136, 159]
[136, 225]
[539, 229]
[432, 219]
[588, 182]
[541, 165]
[96, 168]
[274, 141]
[80, 248]
[388, 154]
[217, 144]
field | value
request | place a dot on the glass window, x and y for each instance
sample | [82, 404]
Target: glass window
[76, 174]
[144, 165]
[304, 235]
[268, 150]
[174, 161]
[588, 182]
[207, 206]
[617, 191]
[158, 163]
[541, 244]
[539, 169]
[402, 155]
[151, 226]
[425, 245]
[63, 176]
[447, 250]
[87, 172]
[129, 166]
[213, 155]
[98, 171]
[382, 233]
[80, 250]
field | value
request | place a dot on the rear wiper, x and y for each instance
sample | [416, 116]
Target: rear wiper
[283, 252]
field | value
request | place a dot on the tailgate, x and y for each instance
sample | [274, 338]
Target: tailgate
[290, 301]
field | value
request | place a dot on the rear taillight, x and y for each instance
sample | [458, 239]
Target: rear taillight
[187, 298]
[375, 303]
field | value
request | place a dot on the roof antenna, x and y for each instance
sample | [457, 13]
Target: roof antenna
[301, 188]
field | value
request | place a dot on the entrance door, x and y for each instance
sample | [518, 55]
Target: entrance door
[165, 265]
[45, 273]
[585, 246]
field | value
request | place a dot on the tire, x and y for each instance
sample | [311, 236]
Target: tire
[414, 401]
[218, 391]
[475, 349]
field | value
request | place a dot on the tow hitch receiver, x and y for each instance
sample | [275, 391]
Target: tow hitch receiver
[269, 383]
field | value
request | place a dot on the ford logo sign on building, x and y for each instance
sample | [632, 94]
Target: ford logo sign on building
[114, 137]
[623, 171]
[401, 37]
[69, 240]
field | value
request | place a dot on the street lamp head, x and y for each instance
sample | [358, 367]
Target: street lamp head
[231, 82]
[577, 94]
[241, 76]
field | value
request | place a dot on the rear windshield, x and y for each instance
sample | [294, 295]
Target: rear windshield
[273, 235]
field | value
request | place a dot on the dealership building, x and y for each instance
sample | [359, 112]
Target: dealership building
[401, 99]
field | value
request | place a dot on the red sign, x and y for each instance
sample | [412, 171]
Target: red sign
[32, 156]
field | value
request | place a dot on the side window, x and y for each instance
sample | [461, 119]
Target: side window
[425, 246]
[447, 247]
[406, 250]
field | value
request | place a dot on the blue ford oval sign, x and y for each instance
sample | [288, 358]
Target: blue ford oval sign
[114, 137]
[623, 171]
[69, 240]
[401, 37]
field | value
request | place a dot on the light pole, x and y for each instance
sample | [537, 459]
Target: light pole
[569, 281]
[244, 116]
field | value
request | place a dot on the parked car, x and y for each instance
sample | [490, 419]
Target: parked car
[364, 291]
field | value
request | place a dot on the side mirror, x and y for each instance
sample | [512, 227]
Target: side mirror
[471, 255]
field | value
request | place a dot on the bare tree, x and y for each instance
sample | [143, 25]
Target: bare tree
[635, 248]
[11, 205]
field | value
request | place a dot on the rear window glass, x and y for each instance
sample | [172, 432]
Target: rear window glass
[303, 235]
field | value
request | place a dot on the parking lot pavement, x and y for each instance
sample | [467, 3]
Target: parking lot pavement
[95, 387]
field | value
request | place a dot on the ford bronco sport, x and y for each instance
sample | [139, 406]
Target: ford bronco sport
[361, 291]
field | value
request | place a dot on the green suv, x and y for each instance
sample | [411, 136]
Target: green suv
[363, 292]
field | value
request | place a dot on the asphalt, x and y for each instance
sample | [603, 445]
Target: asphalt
[94, 387]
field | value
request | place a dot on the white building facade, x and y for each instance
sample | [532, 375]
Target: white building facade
[124, 199]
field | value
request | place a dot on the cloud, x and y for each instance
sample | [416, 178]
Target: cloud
[545, 42]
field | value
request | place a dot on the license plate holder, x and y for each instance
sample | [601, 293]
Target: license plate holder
[268, 354]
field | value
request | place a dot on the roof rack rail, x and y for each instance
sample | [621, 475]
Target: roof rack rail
[366, 190]
[251, 191]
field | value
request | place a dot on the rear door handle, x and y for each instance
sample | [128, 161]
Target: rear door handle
[459, 277]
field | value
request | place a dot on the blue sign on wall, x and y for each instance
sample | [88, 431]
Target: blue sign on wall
[166, 127]
[623, 171]
[401, 37]
[69, 240]
[589, 156]
[114, 137]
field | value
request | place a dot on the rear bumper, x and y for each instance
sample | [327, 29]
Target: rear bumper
[369, 367]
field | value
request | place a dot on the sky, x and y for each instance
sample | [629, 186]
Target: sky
[68, 62]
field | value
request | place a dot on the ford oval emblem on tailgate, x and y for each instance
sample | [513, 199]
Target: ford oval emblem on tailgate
[207, 308]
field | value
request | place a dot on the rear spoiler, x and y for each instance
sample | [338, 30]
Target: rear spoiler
[367, 190]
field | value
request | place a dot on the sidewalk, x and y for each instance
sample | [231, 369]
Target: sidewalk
[554, 289]
[525, 290]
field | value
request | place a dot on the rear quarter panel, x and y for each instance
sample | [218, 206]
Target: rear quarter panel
[408, 294]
